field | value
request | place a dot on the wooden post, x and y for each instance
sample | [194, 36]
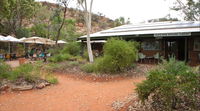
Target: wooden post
[186, 49]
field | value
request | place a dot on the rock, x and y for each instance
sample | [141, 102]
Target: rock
[4, 87]
[22, 88]
[40, 86]
[47, 84]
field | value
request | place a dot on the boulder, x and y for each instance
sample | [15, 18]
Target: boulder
[40, 86]
[21, 87]
[47, 84]
[4, 87]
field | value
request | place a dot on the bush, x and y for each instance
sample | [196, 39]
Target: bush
[59, 58]
[72, 48]
[27, 71]
[51, 79]
[4, 70]
[173, 85]
[119, 55]
[89, 68]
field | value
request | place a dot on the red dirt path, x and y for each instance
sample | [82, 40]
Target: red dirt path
[70, 94]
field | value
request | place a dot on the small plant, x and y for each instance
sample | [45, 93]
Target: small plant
[5, 70]
[89, 68]
[173, 85]
[59, 58]
[72, 48]
[51, 79]
[27, 71]
[73, 63]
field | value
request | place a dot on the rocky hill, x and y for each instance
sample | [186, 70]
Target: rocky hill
[99, 21]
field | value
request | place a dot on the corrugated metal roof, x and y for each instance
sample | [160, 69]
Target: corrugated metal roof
[150, 28]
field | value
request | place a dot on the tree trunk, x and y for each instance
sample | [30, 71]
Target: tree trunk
[63, 21]
[88, 24]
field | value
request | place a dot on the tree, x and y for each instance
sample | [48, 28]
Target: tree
[65, 3]
[191, 9]
[87, 13]
[14, 12]
[163, 19]
[121, 21]
[42, 21]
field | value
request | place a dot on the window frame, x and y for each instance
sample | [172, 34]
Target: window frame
[195, 41]
[152, 42]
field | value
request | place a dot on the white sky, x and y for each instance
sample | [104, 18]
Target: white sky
[136, 10]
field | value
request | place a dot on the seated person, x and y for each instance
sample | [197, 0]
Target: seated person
[41, 55]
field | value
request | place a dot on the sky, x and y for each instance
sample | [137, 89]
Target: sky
[136, 10]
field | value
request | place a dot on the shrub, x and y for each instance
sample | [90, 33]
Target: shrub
[51, 79]
[4, 70]
[119, 55]
[27, 71]
[59, 58]
[72, 48]
[173, 85]
[89, 68]
[73, 63]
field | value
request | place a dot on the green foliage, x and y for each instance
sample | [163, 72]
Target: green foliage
[89, 68]
[72, 48]
[51, 79]
[59, 58]
[14, 12]
[4, 70]
[172, 86]
[40, 30]
[119, 56]
[28, 71]
[23, 32]
[73, 63]
[190, 10]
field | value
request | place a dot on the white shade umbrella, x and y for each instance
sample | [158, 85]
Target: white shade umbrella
[61, 42]
[2, 38]
[11, 39]
[38, 40]
[21, 39]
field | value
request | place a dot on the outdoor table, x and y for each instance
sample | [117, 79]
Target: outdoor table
[150, 59]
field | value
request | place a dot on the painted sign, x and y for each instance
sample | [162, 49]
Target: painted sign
[172, 34]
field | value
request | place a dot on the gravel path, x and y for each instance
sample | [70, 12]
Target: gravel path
[70, 94]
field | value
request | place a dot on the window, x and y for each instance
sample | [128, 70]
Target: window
[196, 44]
[151, 45]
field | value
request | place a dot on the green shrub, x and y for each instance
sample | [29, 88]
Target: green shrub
[73, 63]
[173, 85]
[119, 55]
[59, 58]
[51, 79]
[72, 48]
[5, 70]
[27, 71]
[89, 68]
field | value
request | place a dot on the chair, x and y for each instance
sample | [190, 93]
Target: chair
[141, 56]
[2, 56]
[157, 56]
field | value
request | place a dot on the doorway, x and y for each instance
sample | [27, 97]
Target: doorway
[175, 48]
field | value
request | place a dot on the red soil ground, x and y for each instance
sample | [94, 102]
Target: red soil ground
[71, 94]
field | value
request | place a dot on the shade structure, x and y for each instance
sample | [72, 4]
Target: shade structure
[11, 39]
[38, 40]
[21, 39]
[61, 42]
[2, 38]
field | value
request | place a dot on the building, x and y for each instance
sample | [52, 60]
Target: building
[179, 39]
